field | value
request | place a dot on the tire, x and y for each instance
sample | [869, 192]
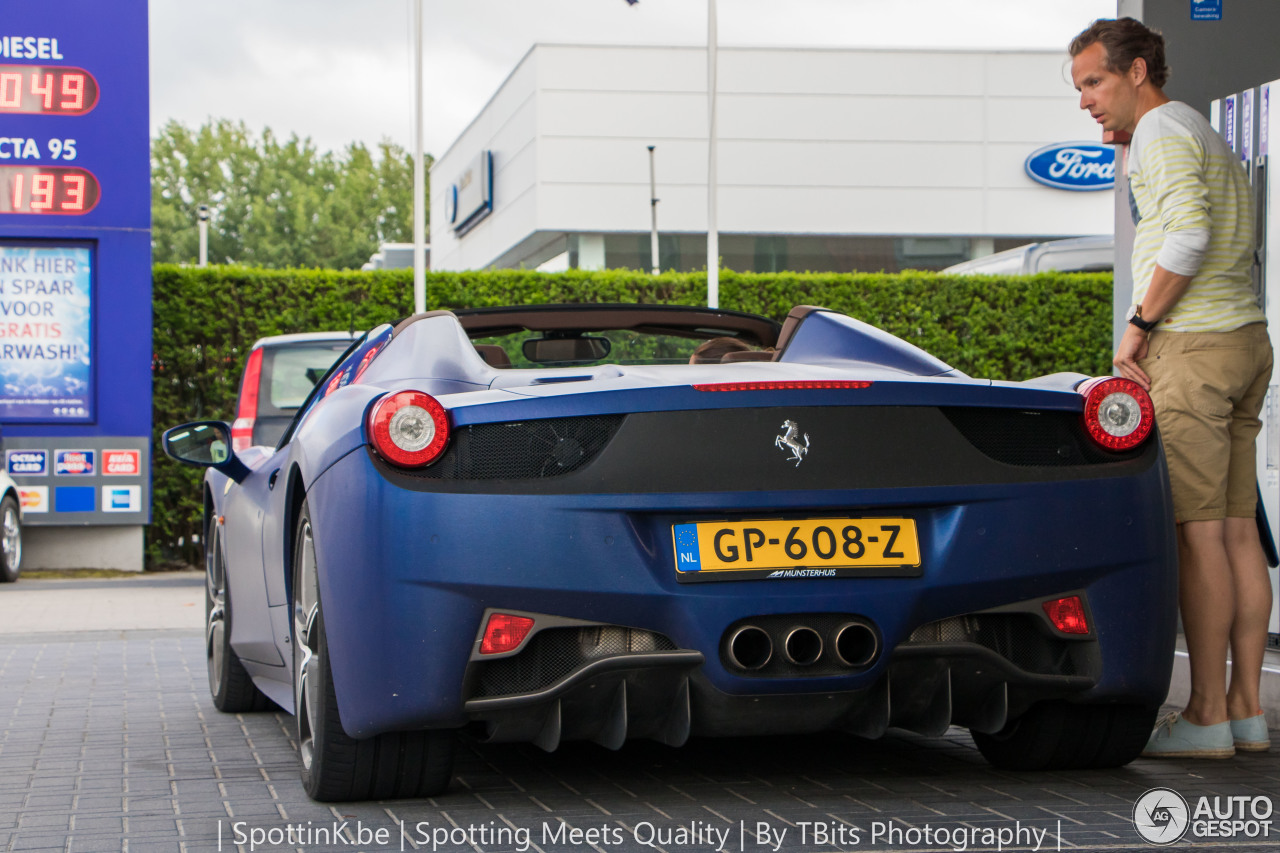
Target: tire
[336, 767]
[10, 540]
[232, 689]
[1062, 736]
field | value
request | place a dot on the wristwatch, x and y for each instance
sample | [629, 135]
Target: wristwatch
[1135, 317]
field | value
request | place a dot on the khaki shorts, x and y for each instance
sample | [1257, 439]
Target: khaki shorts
[1208, 388]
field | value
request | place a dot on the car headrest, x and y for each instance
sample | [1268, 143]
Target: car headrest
[493, 355]
[748, 355]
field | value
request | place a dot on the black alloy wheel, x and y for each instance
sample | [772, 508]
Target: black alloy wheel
[232, 689]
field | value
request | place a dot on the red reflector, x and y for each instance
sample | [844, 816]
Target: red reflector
[247, 410]
[805, 385]
[1067, 615]
[504, 633]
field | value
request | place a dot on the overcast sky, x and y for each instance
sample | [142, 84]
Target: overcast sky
[341, 71]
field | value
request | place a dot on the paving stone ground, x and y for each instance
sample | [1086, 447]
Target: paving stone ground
[109, 742]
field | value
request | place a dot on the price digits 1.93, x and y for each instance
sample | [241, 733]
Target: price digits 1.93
[47, 190]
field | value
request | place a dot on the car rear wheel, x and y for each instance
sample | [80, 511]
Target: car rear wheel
[232, 689]
[1062, 736]
[335, 766]
[10, 540]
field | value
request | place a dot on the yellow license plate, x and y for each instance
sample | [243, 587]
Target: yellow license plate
[819, 547]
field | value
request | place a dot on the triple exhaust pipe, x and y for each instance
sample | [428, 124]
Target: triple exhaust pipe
[853, 644]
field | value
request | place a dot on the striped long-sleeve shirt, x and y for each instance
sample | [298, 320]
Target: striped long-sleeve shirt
[1183, 175]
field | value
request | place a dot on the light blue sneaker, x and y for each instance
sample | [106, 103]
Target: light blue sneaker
[1175, 737]
[1250, 734]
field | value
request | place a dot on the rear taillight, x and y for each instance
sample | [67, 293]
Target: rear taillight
[1118, 414]
[408, 428]
[504, 633]
[247, 411]
[1067, 615]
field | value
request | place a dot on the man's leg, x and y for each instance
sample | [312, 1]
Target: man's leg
[1208, 601]
[1253, 597]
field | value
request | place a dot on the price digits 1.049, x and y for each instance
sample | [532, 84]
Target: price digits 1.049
[47, 90]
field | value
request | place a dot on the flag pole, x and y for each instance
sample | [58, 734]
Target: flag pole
[713, 233]
[419, 178]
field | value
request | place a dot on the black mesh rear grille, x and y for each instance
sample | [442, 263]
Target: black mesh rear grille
[1013, 636]
[556, 652]
[522, 450]
[1031, 439]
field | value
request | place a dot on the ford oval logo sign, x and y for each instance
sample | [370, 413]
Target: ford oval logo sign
[1078, 166]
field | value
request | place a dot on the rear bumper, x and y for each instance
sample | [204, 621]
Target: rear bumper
[406, 577]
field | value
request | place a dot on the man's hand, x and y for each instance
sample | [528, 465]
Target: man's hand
[1162, 295]
[1133, 346]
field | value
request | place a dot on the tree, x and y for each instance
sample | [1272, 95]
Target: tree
[276, 203]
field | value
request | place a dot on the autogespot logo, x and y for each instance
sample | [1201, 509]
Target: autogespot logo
[1161, 816]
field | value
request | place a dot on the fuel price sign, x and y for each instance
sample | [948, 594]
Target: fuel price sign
[75, 257]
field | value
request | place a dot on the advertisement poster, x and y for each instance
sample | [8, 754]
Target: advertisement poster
[46, 371]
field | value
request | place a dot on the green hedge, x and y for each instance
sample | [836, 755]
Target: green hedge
[206, 320]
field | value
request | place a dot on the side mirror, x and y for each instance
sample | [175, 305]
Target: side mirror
[205, 444]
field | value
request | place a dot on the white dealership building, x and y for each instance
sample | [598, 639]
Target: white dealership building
[828, 159]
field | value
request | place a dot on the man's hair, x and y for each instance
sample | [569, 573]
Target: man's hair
[1125, 40]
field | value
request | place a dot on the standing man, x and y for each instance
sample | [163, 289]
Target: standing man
[1198, 341]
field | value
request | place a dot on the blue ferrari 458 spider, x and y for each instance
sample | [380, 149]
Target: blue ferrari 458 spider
[603, 522]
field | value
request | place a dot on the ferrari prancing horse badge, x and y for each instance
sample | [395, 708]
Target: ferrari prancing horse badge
[790, 440]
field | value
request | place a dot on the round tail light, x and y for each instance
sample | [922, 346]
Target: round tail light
[1118, 414]
[408, 428]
